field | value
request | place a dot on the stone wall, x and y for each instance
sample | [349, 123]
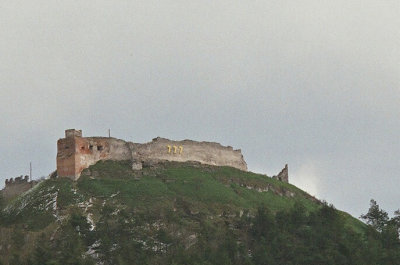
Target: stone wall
[283, 175]
[76, 153]
[188, 150]
[16, 186]
[66, 157]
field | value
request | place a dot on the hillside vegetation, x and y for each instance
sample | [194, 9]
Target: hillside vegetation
[181, 213]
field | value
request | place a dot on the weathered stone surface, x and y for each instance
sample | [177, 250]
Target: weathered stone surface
[283, 175]
[182, 151]
[16, 186]
[75, 153]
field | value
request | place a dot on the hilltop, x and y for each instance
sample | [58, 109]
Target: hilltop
[176, 213]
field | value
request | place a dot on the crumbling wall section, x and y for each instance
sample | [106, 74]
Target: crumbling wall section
[66, 157]
[16, 186]
[283, 175]
[187, 150]
[93, 149]
[77, 153]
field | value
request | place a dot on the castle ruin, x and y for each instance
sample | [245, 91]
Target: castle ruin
[75, 153]
[16, 186]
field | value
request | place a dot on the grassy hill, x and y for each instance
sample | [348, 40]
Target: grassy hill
[176, 213]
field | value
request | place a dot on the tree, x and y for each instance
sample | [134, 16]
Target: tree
[2, 204]
[42, 253]
[15, 260]
[395, 221]
[1, 201]
[264, 223]
[376, 217]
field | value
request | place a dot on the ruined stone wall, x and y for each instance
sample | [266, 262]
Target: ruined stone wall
[14, 187]
[188, 150]
[66, 157]
[92, 149]
[283, 175]
[76, 153]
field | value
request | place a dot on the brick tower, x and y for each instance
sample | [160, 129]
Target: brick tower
[67, 148]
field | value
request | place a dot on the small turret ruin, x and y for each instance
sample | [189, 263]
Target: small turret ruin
[17, 180]
[16, 186]
[283, 175]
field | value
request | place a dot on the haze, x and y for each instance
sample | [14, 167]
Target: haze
[315, 84]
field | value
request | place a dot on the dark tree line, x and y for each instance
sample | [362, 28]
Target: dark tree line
[291, 237]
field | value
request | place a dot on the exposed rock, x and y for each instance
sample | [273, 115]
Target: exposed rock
[137, 165]
[190, 241]
[194, 212]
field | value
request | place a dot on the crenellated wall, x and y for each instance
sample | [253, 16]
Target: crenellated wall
[16, 186]
[76, 153]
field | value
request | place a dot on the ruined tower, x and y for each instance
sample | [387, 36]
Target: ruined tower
[66, 149]
[75, 153]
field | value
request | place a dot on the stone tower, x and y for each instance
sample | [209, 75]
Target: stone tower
[75, 153]
[66, 150]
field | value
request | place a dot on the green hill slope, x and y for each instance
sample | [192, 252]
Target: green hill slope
[177, 213]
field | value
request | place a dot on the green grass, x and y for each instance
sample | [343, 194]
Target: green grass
[111, 169]
[35, 208]
[202, 188]
[190, 188]
[175, 200]
[353, 223]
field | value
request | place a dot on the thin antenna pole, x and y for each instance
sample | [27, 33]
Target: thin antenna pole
[30, 171]
[109, 133]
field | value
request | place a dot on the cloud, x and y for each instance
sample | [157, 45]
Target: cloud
[307, 177]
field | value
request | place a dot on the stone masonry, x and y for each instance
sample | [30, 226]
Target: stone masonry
[283, 175]
[75, 153]
[16, 186]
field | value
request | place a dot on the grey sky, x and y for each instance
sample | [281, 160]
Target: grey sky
[315, 84]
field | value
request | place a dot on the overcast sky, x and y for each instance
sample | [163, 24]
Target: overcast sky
[315, 84]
